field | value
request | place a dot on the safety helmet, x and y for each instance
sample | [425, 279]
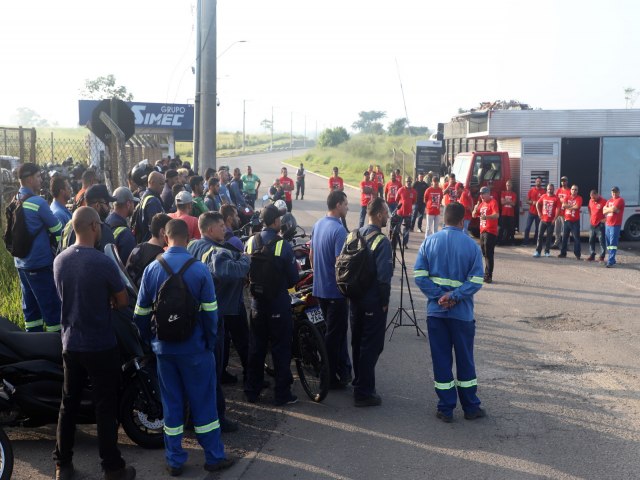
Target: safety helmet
[140, 174]
[288, 226]
[281, 205]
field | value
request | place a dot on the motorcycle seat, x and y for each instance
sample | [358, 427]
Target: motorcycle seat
[34, 345]
[8, 325]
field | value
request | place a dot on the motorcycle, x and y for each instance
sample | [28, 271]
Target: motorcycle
[6, 451]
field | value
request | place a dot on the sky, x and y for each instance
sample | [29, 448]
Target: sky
[319, 63]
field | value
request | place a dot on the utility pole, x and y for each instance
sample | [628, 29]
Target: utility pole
[196, 100]
[208, 83]
[304, 141]
[244, 116]
[271, 129]
[291, 133]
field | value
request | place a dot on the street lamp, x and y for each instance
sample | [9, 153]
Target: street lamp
[244, 116]
[229, 47]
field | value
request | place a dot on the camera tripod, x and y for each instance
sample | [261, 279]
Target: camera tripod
[397, 318]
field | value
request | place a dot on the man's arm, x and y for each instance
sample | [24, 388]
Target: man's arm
[224, 266]
[143, 308]
[54, 227]
[474, 280]
[430, 289]
[384, 269]
[208, 308]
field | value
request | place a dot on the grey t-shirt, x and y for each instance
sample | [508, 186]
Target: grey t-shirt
[85, 279]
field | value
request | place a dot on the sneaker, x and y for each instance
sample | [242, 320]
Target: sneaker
[591, 258]
[479, 413]
[555, 246]
[547, 254]
[124, 473]
[290, 400]
[420, 230]
[601, 259]
[609, 265]
[445, 418]
[221, 465]
[578, 257]
[488, 279]
[536, 255]
[371, 401]
[228, 378]
[65, 472]
[175, 471]
[562, 255]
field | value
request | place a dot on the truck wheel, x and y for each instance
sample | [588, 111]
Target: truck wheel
[632, 229]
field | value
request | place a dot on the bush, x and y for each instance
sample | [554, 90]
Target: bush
[11, 297]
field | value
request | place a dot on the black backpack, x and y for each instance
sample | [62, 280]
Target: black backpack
[175, 311]
[139, 228]
[353, 268]
[16, 237]
[265, 275]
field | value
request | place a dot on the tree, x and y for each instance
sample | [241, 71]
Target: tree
[368, 122]
[398, 127]
[332, 137]
[266, 124]
[105, 87]
[25, 116]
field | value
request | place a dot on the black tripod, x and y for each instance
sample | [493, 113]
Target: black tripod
[396, 320]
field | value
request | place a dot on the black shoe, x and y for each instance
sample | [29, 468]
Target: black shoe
[479, 413]
[125, 473]
[290, 400]
[228, 426]
[228, 378]
[562, 255]
[336, 384]
[371, 401]
[65, 472]
[445, 418]
[175, 471]
[221, 465]
[488, 279]
[251, 397]
[347, 379]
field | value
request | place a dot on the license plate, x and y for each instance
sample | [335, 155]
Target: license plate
[314, 315]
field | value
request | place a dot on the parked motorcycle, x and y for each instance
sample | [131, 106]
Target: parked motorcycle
[6, 451]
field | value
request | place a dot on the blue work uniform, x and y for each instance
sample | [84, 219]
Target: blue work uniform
[122, 234]
[271, 322]
[61, 212]
[368, 319]
[451, 262]
[69, 237]
[151, 205]
[186, 370]
[40, 301]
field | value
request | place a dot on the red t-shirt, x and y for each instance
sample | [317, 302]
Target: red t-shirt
[287, 193]
[467, 202]
[365, 198]
[379, 177]
[573, 215]
[508, 210]
[489, 225]
[391, 190]
[192, 223]
[549, 205]
[336, 183]
[615, 219]
[534, 195]
[407, 197]
[563, 194]
[433, 198]
[595, 210]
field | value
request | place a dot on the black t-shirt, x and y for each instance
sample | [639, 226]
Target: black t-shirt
[86, 279]
[141, 256]
[420, 188]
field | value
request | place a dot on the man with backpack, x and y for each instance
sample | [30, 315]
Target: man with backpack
[123, 208]
[273, 270]
[177, 296]
[149, 205]
[32, 234]
[368, 311]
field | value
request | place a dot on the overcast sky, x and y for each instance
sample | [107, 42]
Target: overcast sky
[326, 60]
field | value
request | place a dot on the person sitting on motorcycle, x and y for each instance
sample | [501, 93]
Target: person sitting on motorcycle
[276, 192]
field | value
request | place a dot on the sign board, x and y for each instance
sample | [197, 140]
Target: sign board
[428, 156]
[148, 116]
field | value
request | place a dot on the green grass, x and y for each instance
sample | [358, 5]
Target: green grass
[354, 156]
[11, 297]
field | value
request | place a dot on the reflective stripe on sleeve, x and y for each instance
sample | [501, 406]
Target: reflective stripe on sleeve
[250, 247]
[209, 307]
[446, 282]
[612, 247]
[207, 428]
[467, 383]
[56, 228]
[444, 386]
[479, 280]
[172, 431]
[34, 323]
[207, 254]
[118, 231]
[30, 206]
[278, 250]
[376, 241]
[52, 328]
[420, 273]
[141, 310]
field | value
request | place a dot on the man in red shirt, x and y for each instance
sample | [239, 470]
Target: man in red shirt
[489, 213]
[562, 193]
[596, 217]
[379, 178]
[287, 186]
[433, 199]
[367, 192]
[464, 198]
[335, 182]
[614, 212]
[548, 206]
[571, 205]
[532, 199]
[390, 192]
[184, 202]
[508, 206]
[405, 199]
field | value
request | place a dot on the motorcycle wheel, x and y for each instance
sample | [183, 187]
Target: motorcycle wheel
[6, 456]
[312, 360]
[135, 418]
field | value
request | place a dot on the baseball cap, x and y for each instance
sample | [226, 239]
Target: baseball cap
[485, 190]
[564, 178]
[98, 192]
[27, 169]
[183, 198]
[124, 195]
[615, 189]
[269, 214]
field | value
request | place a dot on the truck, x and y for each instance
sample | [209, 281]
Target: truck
[595, 149]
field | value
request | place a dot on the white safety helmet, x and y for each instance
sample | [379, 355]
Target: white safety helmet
[281, 205]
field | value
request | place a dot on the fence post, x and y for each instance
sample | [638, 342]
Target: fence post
[5, 142]
[52, 148]
[32, 151]
[21, 143]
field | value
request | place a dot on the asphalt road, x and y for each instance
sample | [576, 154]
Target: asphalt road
[557, 351]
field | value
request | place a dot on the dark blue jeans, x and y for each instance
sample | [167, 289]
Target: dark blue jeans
[572, 228]
[545, 227]
[336, 317]
[531, 218]
[597, 231]
[418, 214]
[363, 215]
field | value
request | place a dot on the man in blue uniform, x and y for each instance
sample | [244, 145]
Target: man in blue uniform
[151, 204]
[449, 272]
[61, 191]
[117, 220]
[369, 313]
[229, 270]
[271, 317]
[40, 302]
[187, 369]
